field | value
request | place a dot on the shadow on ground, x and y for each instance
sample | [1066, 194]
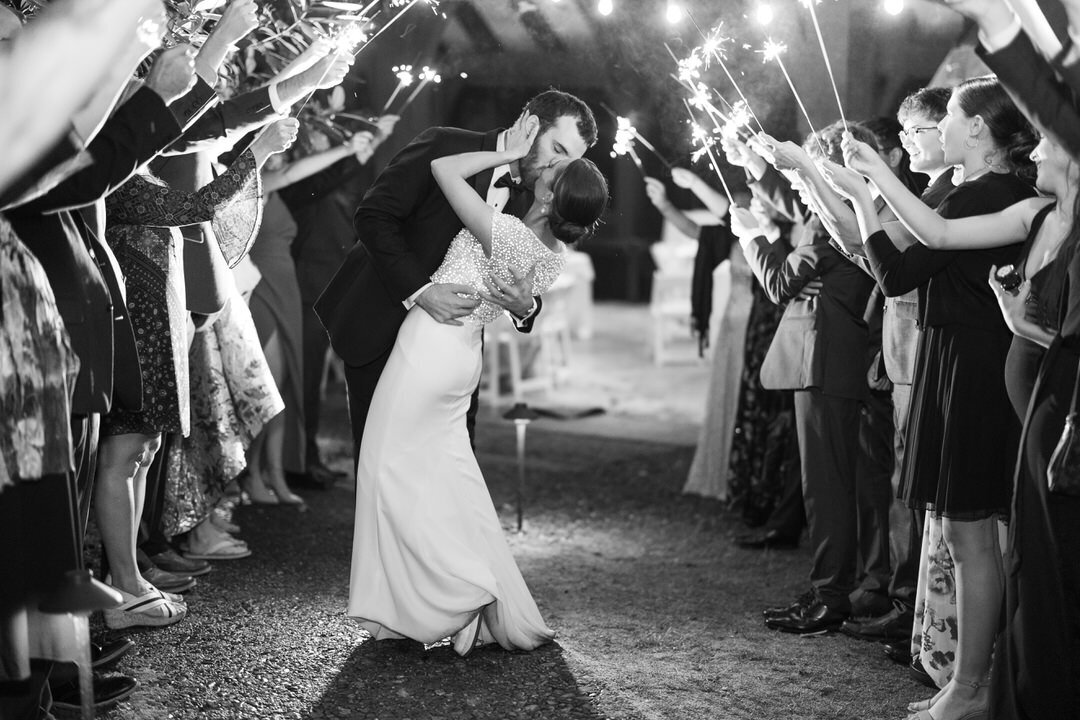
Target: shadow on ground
[399, 679]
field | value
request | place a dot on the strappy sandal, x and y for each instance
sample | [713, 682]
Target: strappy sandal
[150, 610]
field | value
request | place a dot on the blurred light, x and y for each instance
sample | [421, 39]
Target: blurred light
[894, 7]
[605, 7]
[464, 76]
[674, 13]
[764, 14]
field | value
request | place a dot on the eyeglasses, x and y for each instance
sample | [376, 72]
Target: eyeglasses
[911, 133]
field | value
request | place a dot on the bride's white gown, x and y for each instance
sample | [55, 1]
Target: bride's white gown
[428, 549]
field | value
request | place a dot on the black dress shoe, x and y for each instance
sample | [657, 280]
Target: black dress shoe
[917, 671]
[802, 602]
[893, 625]
[817, 619]
[899, 651]
[108, 690]
[763, 539]
[107, 654]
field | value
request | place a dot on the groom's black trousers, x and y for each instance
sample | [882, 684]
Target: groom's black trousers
[360, 382]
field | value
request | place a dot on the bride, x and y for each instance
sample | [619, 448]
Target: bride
[429, 557]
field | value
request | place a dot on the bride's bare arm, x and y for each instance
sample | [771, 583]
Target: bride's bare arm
[452, 173]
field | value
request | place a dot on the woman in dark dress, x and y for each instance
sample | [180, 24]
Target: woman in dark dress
[962, 432]
[1035, 657]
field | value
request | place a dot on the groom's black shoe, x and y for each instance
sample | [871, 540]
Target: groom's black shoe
[814, 619]
[805, 600]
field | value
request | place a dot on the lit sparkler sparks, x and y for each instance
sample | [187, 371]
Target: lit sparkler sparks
[707, 141]
[427, 75]
[713, 45]
[405, 79]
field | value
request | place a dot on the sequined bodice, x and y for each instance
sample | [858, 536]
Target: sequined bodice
[513, 245]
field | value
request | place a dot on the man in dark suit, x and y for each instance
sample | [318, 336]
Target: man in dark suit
[405, 227]
[819, 351]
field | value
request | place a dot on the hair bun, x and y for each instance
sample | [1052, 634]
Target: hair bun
[568, 231]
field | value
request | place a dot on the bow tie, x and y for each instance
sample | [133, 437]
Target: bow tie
[506, 181]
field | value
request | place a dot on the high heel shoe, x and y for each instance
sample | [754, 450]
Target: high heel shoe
[466, 639]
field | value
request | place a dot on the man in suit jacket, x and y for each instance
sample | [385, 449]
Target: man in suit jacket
[819, 351]
[405, 227]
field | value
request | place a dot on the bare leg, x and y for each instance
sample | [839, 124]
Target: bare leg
[274, 433]
[979, 588]
[118, 495]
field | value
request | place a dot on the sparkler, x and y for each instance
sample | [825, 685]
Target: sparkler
[700, 135]
[427, 75]
[774, 51]
[624, 145]
[405, 79]
[397, 3]
[626, 130]
[713, 45]
[824, 53]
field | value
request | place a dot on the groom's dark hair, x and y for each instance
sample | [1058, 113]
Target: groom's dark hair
[551, 105]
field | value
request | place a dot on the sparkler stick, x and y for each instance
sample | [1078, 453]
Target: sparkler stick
[773, 51]
[828, 65]
[405, 79]
[625, 129]
[712, 45]
[427, 75]
[700, 135]
[393, 20]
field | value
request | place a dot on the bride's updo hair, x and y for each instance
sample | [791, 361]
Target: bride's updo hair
[580, 196]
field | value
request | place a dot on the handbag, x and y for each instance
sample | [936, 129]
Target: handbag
[1063, 471]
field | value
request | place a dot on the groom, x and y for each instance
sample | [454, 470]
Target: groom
[405, 227]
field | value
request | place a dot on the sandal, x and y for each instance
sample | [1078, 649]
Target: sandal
[224, 548]
[150, 610]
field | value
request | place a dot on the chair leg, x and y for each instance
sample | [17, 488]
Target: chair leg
[515, 370]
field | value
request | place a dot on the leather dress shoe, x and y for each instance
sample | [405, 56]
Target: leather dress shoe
[805, 600]
[917, 671]
[763, 539]
[108, 654]
[108, 690]
[899, 651]
[893, 625]
[818, 618]
[167, 581]
[172, 561]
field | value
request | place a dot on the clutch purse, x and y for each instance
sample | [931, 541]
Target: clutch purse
[1063, 472]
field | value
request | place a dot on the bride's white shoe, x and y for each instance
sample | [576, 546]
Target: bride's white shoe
[466, 639]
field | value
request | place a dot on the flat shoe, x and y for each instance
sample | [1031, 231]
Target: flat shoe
[170, 561]
[172, 582]
[225, 548]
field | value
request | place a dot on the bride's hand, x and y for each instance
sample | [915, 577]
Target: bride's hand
[520, 137]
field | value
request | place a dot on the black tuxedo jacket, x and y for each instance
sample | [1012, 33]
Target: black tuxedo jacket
[405, 226]
[821, 342]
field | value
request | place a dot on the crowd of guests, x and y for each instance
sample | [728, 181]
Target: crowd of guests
[926, 271]
[905, 297]
[163, 238]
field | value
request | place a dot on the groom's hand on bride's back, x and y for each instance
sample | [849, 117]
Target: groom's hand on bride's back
[444, 302]
[515, 296]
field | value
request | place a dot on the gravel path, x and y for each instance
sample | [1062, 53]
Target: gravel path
[658, 614]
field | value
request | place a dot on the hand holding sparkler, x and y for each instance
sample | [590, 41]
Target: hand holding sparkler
[173, 73]
[239, 19]
[657, 194]
[744, 224]
[844, 181]
[318, 49]
[781, 155]
[684, 178]
[738, 153]
[276, 137]
[862, 158]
